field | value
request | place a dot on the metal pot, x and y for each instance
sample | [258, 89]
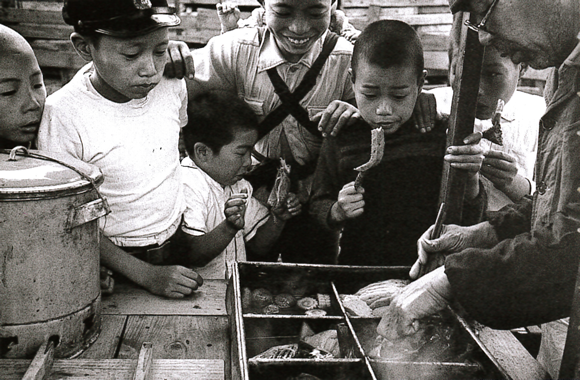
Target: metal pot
[49, 253]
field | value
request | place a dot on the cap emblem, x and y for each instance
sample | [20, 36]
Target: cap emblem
[142, 4]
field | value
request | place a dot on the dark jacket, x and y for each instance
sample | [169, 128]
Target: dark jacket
[401, 193]
[529, 277]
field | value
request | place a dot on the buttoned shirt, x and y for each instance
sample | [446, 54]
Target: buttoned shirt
[238, 61]
[205, 201]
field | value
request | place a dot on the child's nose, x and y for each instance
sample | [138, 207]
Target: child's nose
[33, 101]
[147, 68]
[299, 26]
[384, 108]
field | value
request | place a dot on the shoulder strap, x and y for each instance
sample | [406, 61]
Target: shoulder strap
[291, 100]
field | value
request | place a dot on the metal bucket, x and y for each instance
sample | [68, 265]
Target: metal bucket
[49, 253]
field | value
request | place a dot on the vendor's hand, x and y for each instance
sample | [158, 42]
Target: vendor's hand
[500, 168]
[180, 63]
[235, 210]
[172, 281]
[426, 296]
[288, 209]
[350, 203]
[228, 14]
[107, 280]
[467, 157]
[335, 116]
[425, 112]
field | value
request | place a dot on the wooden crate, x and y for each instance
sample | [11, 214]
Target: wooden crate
[497, 354]
[430, 18]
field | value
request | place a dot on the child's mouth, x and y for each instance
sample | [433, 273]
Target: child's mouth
[30, 127]
[298, 41]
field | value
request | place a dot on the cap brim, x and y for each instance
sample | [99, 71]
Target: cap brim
[128, 29]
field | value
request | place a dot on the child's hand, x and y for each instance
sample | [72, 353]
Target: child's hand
[425, 112]
[467, 157]
[500, 168]
[107, 281]
[172, 281]
[180, 62]
[335, 116]
[350, 203]
[288, 209]
[229, 14]
[235, 209]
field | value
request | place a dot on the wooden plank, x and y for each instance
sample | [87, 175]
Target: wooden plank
[50, 32]
[177, 337]
[393, 3]
[13, 15]
[436, 60]
[127, 299]
[42, 363]
[435, 42]
[428, 10]
[119, 369]
[41, 5]
[107, 343]
[57, 53]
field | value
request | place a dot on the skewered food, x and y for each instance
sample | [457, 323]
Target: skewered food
[377, 151]
[279, 192]
[494, 134]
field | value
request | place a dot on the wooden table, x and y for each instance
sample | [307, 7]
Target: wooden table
[190, 338]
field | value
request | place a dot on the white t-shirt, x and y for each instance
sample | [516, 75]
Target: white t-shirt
[135, 144]
[520, 124]
[205, 201]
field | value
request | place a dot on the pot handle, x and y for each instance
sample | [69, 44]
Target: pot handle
[87, 212]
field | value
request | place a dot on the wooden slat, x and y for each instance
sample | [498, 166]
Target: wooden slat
[393, 3]
[143, 370]
[436, 60]
[57, 53]
[209, 299]
[119, 369]
[42, 363]
[107, 343]
[435, 42]
[176, 337]
[13, 15]
[50, 32]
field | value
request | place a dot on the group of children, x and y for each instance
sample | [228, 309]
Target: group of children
[253, 98]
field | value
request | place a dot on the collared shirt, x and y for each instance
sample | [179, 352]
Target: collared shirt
[205, 202]
[238, 60]
[135, 144]
[520, 123]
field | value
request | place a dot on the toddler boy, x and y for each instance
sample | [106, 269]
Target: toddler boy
[399, 196]
[221, 215]
[122, 115]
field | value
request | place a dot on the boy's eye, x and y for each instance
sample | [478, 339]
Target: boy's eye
[317, 14]
[160, 52]
[131, 55]
[282, 14]
[400, 96]
[7, 93]
[369, 95]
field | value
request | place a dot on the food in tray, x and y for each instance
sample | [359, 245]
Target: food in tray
[307, 303]
[315, 313]
[286, 351]
[381, 293]
[326, 341]
[356, 307]
[323, 301]
[261, 297]
[246, 298]
[285, 300]
[271, 309]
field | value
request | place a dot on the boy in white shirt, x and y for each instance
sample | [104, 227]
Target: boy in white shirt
[120, 114]
[221, 216]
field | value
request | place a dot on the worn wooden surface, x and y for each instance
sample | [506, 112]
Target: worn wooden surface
[189, 337]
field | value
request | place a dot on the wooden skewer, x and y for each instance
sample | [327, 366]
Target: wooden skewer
[143, 369]
[436, 233]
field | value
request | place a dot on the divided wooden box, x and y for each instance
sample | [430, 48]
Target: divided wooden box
[254, 332]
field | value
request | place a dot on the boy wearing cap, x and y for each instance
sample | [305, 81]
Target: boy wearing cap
[120, 114]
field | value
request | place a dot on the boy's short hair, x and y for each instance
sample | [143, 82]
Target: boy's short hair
[118, 18]
[213, 117]
[388, 43]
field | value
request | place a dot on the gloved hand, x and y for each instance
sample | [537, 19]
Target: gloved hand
[426, 296]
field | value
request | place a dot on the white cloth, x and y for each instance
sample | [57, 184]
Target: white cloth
[520, 124]
[205, 201]
[135, 144]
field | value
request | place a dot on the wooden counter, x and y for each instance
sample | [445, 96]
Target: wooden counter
[190, 338]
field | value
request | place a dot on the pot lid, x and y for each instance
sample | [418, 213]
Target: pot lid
[43, 172]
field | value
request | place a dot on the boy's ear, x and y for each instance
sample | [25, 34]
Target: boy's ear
[202, 152]
[82, 46]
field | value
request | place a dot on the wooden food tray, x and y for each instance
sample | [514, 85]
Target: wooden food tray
[253, 332]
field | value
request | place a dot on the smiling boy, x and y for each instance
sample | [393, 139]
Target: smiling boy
[120, 114]
[382, 221]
